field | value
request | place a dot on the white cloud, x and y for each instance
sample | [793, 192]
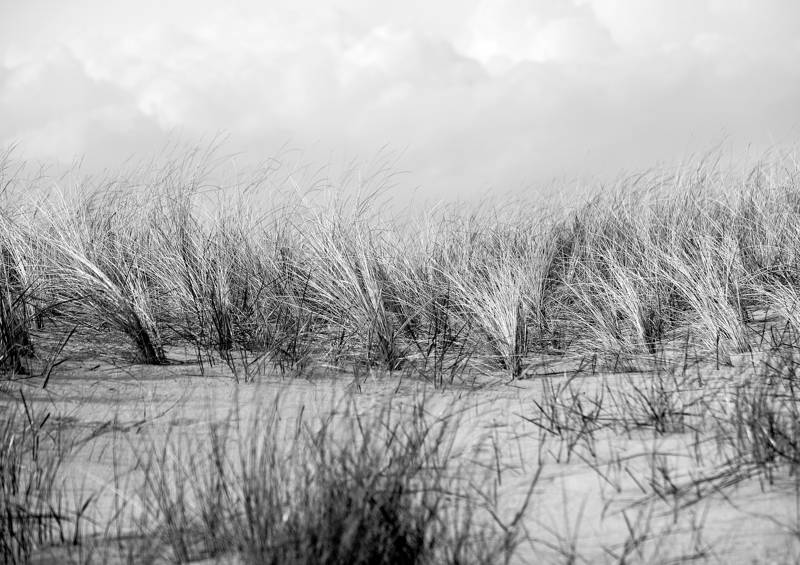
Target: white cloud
[651, 24]
[506, 32]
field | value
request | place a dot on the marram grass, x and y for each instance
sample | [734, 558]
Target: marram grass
[699, 258]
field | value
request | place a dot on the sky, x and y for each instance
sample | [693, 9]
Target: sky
[470, 97]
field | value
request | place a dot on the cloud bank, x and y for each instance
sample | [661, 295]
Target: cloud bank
[477, 94]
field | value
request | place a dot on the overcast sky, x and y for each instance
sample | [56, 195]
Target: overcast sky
[475, 95]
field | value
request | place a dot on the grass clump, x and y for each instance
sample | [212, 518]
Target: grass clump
[15, 339]
[16, 284]
[379, 488]
[763, 427]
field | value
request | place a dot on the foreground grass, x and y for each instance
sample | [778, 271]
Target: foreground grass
[345, 486]
[355, 488]
[644, 468]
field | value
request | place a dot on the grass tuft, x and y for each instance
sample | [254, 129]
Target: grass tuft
[386, 487]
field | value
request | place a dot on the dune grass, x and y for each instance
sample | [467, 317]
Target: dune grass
[17, 287]
[661, 271]
[352, 484]
[387, 486]
[164, 256]
[33, 510]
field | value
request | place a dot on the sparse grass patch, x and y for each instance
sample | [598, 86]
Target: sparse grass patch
[383, 487]
[763, 427]
[32, 511]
